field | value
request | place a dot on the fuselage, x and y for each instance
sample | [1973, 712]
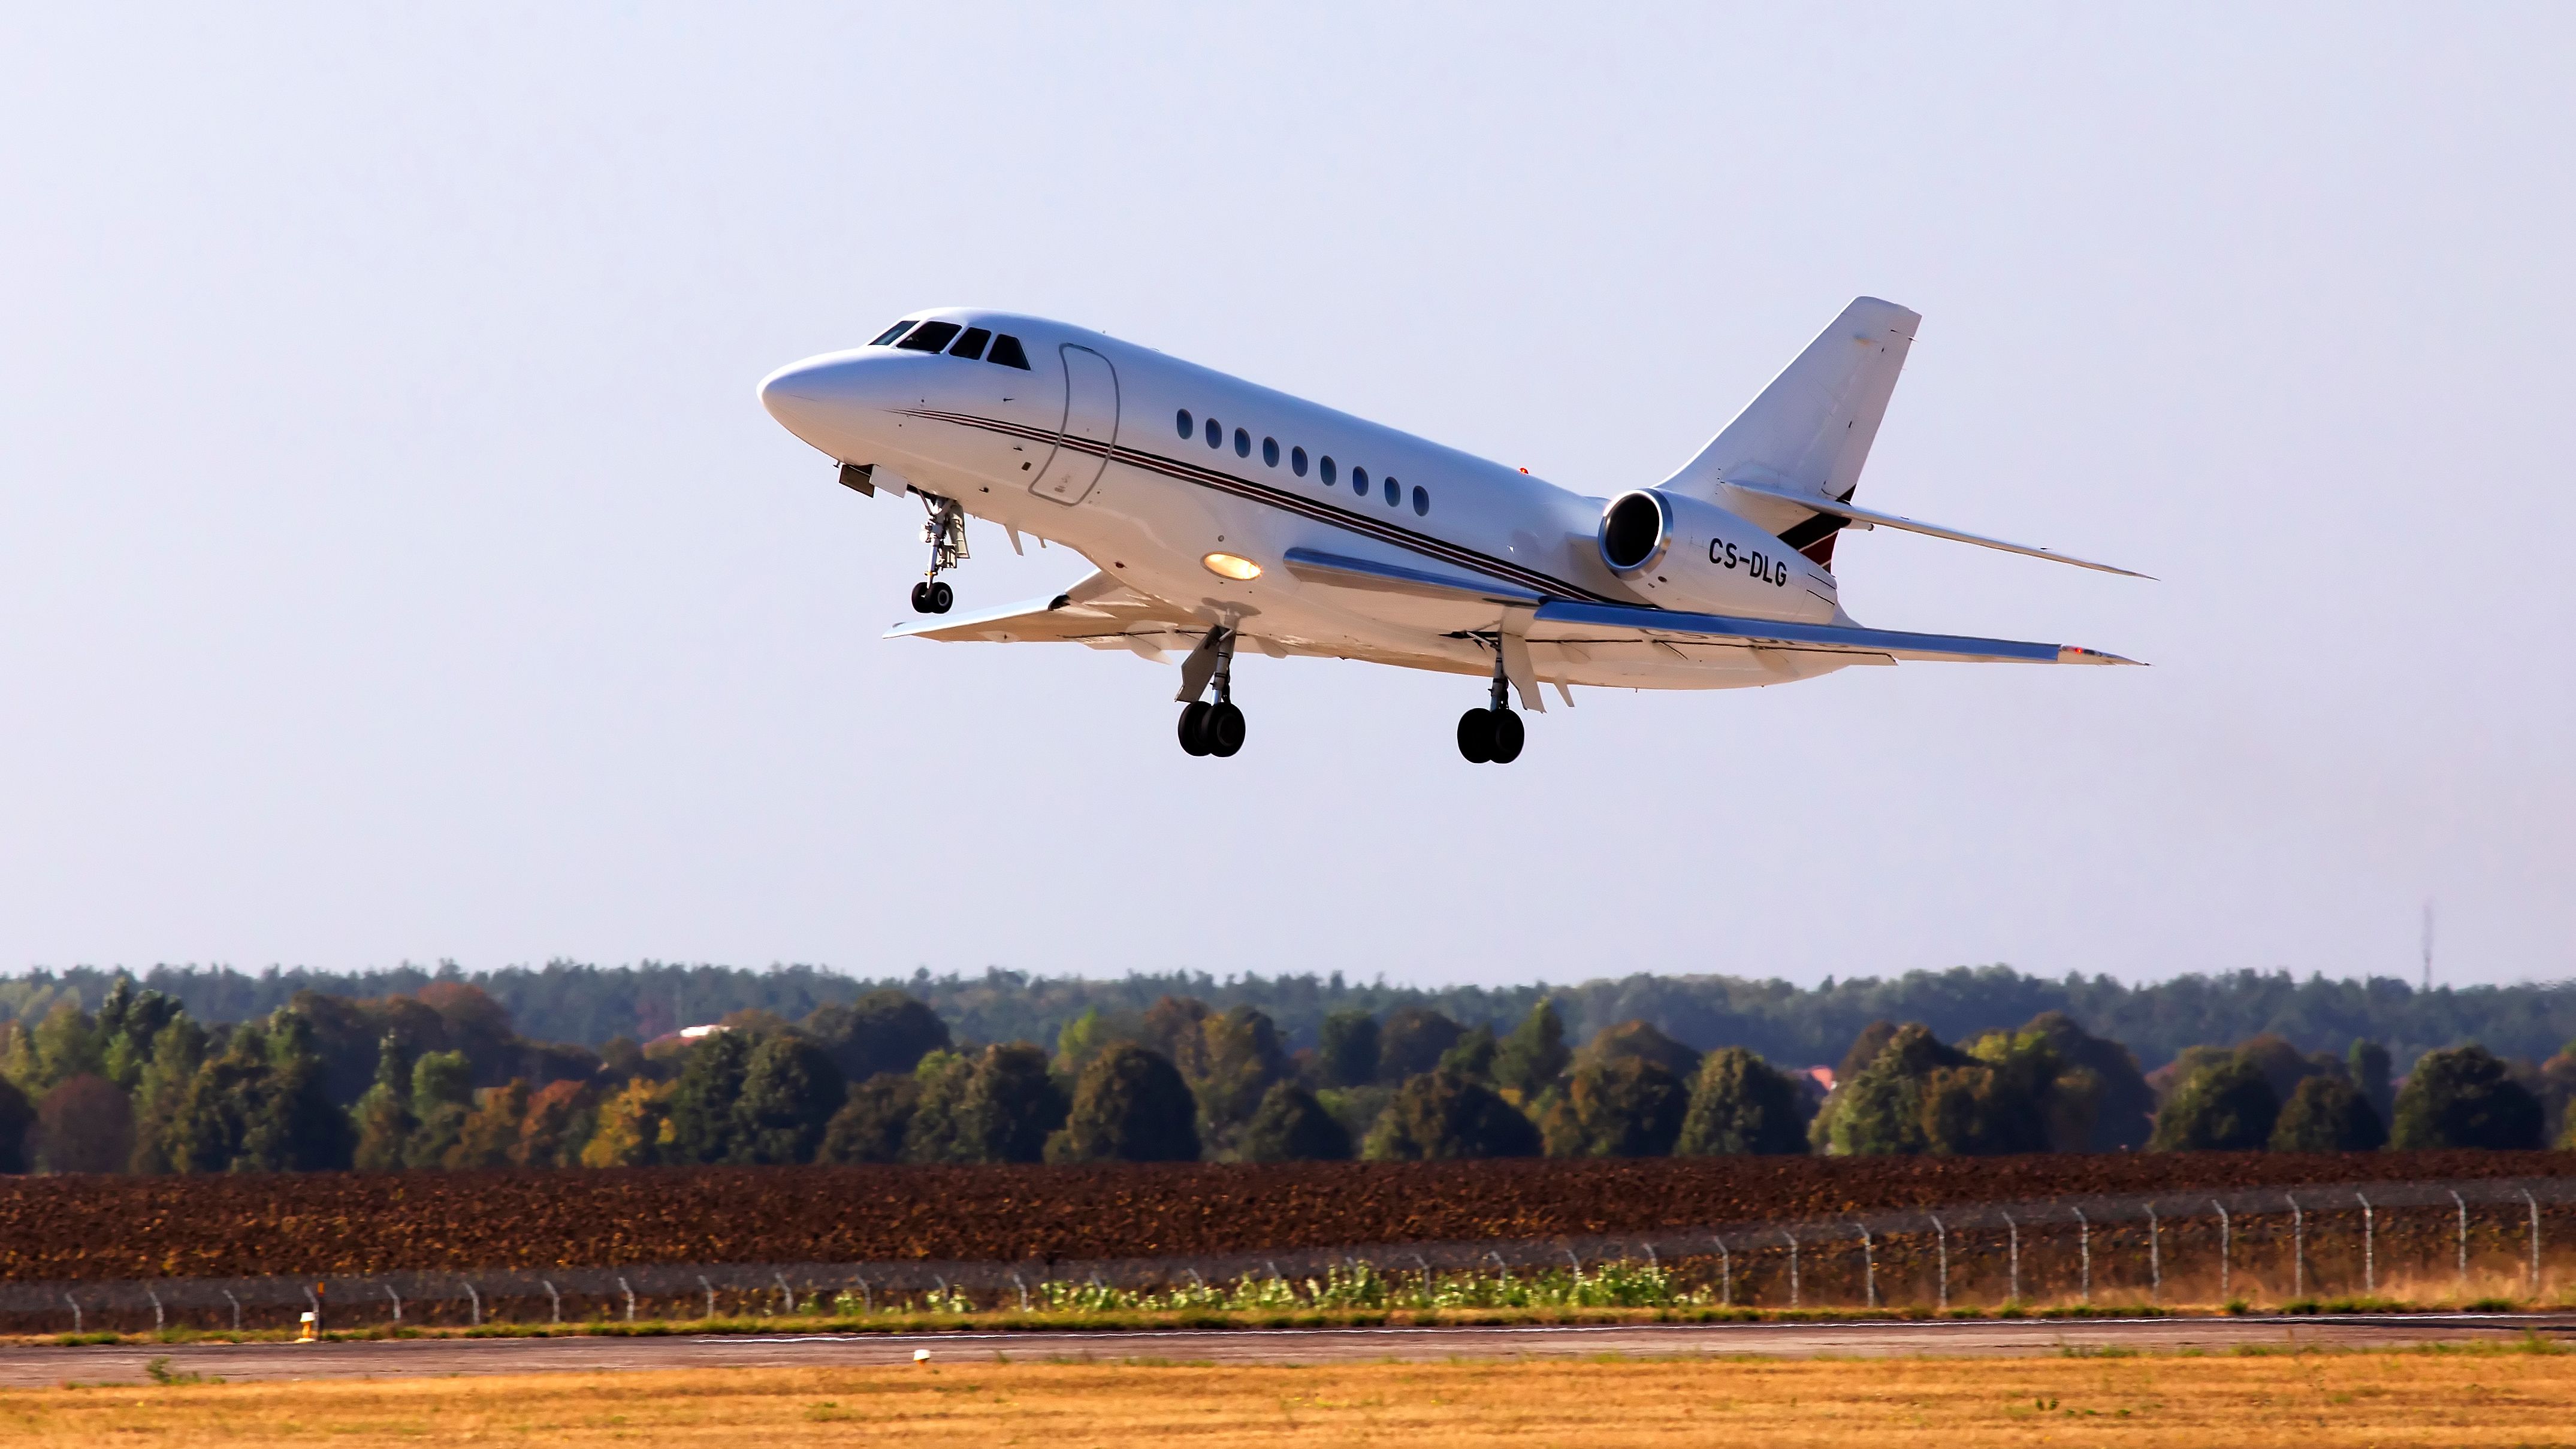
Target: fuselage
[1161, 472]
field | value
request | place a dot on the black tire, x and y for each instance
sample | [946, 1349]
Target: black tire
[921, 598]
[1476, 736]
[1507, 735]
[1194, 728]
[942, 598]
[1224, 733]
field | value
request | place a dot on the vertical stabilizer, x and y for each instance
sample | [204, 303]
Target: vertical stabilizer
[1810, 430]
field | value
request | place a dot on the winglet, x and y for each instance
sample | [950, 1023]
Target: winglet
[2075, 654]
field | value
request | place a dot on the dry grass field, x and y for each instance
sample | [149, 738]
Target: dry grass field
[2306, 1399]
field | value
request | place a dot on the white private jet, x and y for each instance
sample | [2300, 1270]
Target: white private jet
[1219, 514]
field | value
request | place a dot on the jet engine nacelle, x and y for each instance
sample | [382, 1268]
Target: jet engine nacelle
[1683, 553]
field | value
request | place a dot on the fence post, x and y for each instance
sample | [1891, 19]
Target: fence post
[2226, 1246]
[1868, 1266]
[711, 1294]
[2535, 1240]
[630, 1297]
[2369, 1248]
[2298, 1248]
[1941, 1236]
[1792, 1235]
[554, 1298]
[236, 1303]
[156, 1307]
[2084, 1248]
[2464, 1237]
[1024, 1289]
[2014, 1229]
[397, 1298]
[2155, 1257]
[787, 1295]
[1725, 1274]
[476, 1299]
[76, 1313]
[316, 1300]
[867, 1300]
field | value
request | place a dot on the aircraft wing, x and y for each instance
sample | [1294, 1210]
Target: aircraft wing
[1099, 611]
[1566, 622]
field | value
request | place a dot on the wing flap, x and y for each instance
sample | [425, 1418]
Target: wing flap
[1564, 621]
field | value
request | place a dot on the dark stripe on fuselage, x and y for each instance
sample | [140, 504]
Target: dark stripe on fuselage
[1383, 530]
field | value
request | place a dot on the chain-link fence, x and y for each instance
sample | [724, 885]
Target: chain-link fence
[2276, 1245]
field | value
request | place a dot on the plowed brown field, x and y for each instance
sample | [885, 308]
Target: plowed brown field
[351, 1223]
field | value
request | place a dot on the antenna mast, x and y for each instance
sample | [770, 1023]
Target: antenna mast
[2428, 945]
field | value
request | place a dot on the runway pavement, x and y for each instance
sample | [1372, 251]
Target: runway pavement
[37, 1366]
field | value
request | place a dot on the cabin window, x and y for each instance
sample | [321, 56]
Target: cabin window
[1007, 351]
[1394, 493]
[1297, 461]
[1242, 443]
[1270, 452]
[891, 333]
[1328, 470]
[930, 337]
[1215, 434]
[1421, 501]
[1188, 424]
[1359, 481]
[970, 345]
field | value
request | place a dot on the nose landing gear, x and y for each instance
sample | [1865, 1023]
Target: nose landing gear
[1211, 728]
[945, 532]
[1492, 735]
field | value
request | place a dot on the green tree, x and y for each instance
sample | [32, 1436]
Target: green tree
[2465, 1097]
[178, 1051]
[294, 1126]
[1438, 1116]
[1739, 1104]
[882, 1031]
[2368, 1065]
[1880, 1110]
[703, 1100]
[790, 1089]
[1639, 1039]
[67, 1045]
[442, 1097]
[1621, 1106]
[998, 1106]
[1473, 1056]
[1292, 1126]
[870, 1126]
[1129, 1106]
[2123, 1105]
[129, 1021]
[384, 1118]
[490, 1134]
[1412, 1042]
[2228, 1106]
[2328, 1114]
[1346, 1055]
[1531, 1059]
[1240, 1058]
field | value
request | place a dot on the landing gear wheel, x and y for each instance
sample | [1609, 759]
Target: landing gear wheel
[942, 598]
[1476, 736]
[1223, 731]
[1194, 727]
[921, 598]
[1506, 736]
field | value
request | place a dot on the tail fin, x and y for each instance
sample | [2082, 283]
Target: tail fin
[1810, 430]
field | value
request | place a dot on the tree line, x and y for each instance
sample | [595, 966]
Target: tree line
[440, 1077]
[593, 1005]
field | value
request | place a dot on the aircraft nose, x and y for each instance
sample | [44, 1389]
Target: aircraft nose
[821, 399]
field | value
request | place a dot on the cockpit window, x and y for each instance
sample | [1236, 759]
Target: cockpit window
[929, 337]
[891, 333]
[1006, 351]
[972, 344]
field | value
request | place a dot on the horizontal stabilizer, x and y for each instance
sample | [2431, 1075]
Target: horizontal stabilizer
[1566, 621]
[1867, 517]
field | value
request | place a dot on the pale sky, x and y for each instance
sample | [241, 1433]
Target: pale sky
[395, 563]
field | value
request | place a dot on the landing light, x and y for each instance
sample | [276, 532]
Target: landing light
[1226, 565]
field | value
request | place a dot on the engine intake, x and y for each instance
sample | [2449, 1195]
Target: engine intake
[1636, 529]
[1680, 552]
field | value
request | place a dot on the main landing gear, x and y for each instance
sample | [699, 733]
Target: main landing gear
[945, 532]
[1211, 728]
[1491, 735]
